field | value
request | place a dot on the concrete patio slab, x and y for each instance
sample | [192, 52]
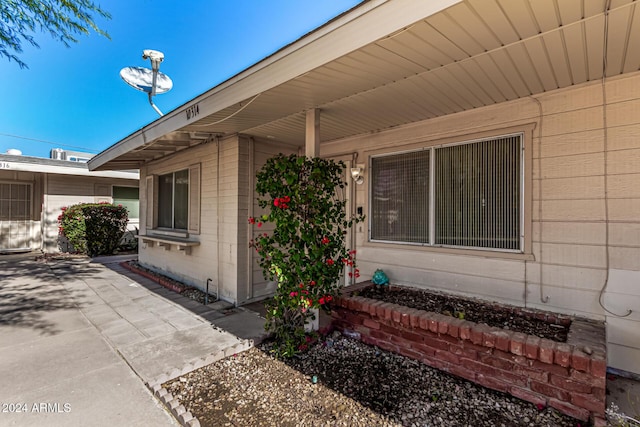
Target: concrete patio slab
[52, 359]
[155, 357]
[56, 367]
[80, 335]
[90, 400]
[243, 324]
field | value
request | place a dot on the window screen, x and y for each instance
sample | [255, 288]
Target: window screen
[400, 197]
[478, 194]
[173, 200]
[476, 202]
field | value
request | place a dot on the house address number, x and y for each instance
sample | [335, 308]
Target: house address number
[192, 111]
[4, 165]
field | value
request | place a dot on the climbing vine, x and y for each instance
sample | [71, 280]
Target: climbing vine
[304, 249]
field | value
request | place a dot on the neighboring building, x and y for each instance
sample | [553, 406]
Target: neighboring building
[499, 144]
[33, 190]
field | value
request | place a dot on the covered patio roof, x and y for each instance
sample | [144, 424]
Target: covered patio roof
[386, 63]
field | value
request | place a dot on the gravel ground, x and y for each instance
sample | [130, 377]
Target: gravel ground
[357, 385]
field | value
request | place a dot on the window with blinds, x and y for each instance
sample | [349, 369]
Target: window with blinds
[475, 197]
[400, 197]
[173, 200]
[15, 202]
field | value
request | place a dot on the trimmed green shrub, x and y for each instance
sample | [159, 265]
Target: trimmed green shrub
[93, 228]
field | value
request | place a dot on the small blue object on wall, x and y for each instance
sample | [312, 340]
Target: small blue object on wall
[379, 278]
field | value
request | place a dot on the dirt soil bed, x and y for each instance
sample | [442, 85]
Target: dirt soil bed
[473, 310]
[357, 385]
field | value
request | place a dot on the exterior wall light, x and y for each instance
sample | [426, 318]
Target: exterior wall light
[356, 174]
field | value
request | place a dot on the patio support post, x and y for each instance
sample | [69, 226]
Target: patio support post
[312, 133]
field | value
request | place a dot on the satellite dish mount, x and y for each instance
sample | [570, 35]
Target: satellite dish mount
[151, 81]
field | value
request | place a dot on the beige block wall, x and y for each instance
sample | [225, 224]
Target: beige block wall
[53, 191]
[66, 190]
[575, 209]
[202, 263]
[222, 255]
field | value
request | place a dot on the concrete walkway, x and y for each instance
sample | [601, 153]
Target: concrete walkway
[80, 339]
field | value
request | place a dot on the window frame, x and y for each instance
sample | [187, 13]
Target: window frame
[173, 201]
[524, 133]
[150, 210]
[29, 211]
[113, 198]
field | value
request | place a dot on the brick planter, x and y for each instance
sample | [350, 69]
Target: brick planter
[168, 283]
[569, 377]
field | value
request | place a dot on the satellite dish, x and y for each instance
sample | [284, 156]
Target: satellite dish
[151, 81]
[141, 78]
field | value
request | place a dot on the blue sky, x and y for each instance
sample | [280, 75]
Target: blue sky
[74, 97]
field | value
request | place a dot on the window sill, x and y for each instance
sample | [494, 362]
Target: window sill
[166, 242]
[483, 253]
[168, 232]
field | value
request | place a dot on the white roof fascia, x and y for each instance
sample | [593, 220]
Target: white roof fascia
[359, 27]
[62, 170]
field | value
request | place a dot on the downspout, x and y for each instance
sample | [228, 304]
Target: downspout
[250, 209]
[43, 209]
[218, 215]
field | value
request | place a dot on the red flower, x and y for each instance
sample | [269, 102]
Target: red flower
[321, 301]
[281, 202]
[312, 283]
[259, 224]
[329, 298]
[329, 261]
[301, 285]
[252, 220]
[325, 240]
[293, 294]
[540, 406]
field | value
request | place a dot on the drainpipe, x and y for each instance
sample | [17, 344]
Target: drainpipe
[252, 187]
[44, 188]
[218, 215]
[206, 296]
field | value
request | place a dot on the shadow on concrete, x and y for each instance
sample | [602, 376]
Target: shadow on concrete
[30, 292]
[242, 322]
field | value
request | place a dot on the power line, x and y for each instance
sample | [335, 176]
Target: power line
[48, 142]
